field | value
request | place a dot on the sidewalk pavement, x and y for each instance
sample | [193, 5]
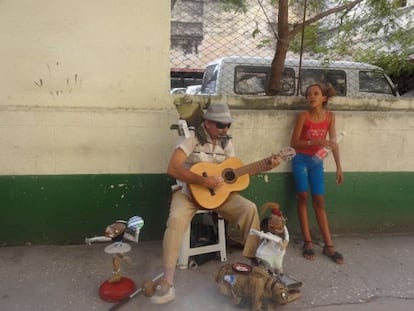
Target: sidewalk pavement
[378, 275]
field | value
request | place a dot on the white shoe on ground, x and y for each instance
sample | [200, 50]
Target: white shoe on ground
[161, 297]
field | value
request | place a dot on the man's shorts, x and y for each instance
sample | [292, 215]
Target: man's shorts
[308, 172]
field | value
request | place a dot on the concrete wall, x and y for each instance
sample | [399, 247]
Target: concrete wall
[85, 113]
[373, 127]
[85, 89]
[84, 53]
[78, 76]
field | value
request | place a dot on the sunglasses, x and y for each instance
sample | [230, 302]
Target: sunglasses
[221, 126]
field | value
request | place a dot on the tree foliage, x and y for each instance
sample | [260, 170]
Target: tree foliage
[333, 29]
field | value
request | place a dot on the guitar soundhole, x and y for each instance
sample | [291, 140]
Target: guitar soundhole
[229, 176]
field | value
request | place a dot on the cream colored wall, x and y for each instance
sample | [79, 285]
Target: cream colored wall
[378, 140]
[85, 141]
[374, 141]
[82, 86]
[93, 141]
[104, 53]
[103, 105]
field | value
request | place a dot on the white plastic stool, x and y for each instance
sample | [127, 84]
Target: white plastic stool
[187, 250]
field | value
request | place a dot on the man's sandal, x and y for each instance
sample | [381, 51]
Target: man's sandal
[307, 250]
[336, 257]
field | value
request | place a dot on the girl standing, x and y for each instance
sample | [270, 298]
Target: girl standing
[308, 137]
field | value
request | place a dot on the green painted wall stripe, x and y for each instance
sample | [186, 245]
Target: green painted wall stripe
[67, 208]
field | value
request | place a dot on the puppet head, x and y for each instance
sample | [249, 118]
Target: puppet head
[275, 223]
[116, 230]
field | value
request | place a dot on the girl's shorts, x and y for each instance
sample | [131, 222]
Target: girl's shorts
[308, 172]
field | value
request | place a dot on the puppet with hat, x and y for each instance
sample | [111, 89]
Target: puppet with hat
[275, 238]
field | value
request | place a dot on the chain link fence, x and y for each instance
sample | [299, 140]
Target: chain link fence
[203, 31]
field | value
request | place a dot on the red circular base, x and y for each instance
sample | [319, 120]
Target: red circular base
[113, 292]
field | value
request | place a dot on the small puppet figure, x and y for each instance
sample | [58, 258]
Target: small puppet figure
[263, 285]
[275, 238]
[116, 232]
[251, 285]
[255, 286]
[117, 249]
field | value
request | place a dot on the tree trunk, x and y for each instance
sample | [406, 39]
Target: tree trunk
[282, 46]
[285, 35]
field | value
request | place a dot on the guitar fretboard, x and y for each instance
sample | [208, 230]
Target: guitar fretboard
[253, 168]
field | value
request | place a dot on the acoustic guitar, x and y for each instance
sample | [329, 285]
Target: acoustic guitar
[236, 177]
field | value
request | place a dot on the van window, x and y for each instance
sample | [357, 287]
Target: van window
[250, 76]
[337, 78]
[374, 82]
[254, 80]
[208, 85]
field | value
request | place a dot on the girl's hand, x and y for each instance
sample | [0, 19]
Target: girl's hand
[339, 177]
[333, 145]
[329, 144]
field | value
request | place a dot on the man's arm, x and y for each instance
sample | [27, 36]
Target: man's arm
[177, 170]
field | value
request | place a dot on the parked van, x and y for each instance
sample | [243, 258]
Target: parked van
[250, 75]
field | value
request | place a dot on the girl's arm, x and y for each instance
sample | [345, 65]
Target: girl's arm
[295, 141]
[335, 149]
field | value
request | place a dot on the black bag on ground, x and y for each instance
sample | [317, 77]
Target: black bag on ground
[204, 232]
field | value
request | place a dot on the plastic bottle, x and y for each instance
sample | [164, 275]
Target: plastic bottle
[323, 152]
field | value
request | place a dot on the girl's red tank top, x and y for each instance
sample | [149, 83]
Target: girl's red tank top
[313, 130]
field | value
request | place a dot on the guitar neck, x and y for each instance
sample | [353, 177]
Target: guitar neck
[253, 168]
[235, 175]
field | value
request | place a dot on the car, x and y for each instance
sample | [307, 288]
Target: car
[193, 89]
[236, 75]
[178, 90]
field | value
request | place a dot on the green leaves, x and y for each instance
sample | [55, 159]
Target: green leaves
[373, 31]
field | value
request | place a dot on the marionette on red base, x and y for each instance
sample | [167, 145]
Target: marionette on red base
[117, 287]
[264, 283]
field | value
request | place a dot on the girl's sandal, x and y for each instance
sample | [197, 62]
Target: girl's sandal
[307, 250]
[336, 257]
